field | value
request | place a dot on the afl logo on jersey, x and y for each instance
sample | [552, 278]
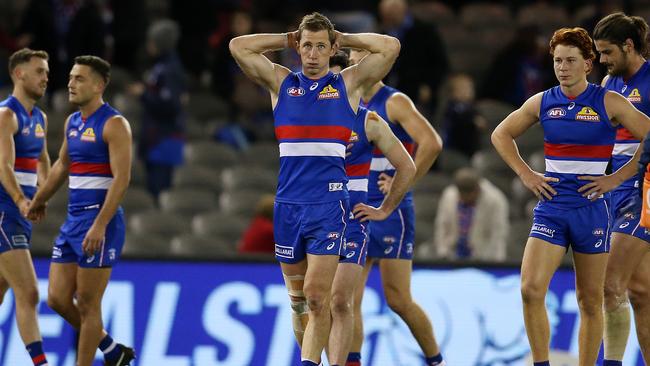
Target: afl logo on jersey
[296, 91]
[25, 131]
[556, 113]
[73, 133]
[587, 114]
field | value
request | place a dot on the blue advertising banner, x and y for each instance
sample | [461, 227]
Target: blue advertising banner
[237, 314]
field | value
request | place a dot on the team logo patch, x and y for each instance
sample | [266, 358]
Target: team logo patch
[296, 91]
[25, 131]
[598, 232]
[56, 252]
[333, 187]
[111, 254]
[354, 137]
[19, 240]
[88, 135]
[283, 251]
[328, 92]
[587, 114]
[634, 96]
[39, 131]
[542, 230]
[556, 113]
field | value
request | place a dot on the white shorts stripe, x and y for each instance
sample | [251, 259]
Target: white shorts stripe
[312, 149]
[380, 165]
[625, 149]
[26, 179]
[85, 182]
[360, 185]
[576, 167]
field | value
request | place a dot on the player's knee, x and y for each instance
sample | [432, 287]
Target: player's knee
[87, 305]
[27, 296]
[299, 305]
[397, 302]
[590, 303]
[57, 302]
[315, 298]
[341, 305]
[613, 291]
[639, 296]
[532, 293]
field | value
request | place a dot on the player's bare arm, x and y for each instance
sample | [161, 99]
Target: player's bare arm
[44, 163]
[503, 139]
[373, 67]
[117, 135]
[402, 110]
[380, 134]
[8, 127]
[249, 51]
[55, 179]
[620, 111]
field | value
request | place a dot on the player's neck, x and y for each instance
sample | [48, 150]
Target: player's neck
[635, 64]
[90, 107]
[316, 76]
[368, 94]
[26, 101]
[576, 89]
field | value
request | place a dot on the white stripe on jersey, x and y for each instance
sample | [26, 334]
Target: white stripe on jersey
[26, 179]
[380, 165]
[86, 182]
[576, 167]
[625, 149]
[312, 149]
[358, 185]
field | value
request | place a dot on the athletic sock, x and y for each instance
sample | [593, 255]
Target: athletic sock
[354, 359]
[308, 363]
[35, 350]
[435, 360]
[110, 348]
[542, 363]
[612, 363]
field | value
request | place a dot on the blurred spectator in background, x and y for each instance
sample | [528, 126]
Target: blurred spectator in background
[128, 29]
[422, 64]
[472, 219]
[163, 97]
[519, 71]
[258, 237]
[462, 125]
[65, 29]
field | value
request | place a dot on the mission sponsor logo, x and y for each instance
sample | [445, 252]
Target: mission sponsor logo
[634, 96]
[328, 92]
[88, 135]
[354, 137]
[39, 131]
[587, 114]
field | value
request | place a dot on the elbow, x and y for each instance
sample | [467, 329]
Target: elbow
[235, 46]
[437, 145]
[393, 47]
[495, 136]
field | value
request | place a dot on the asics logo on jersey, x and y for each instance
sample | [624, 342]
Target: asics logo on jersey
[332, 244]
[388, 250]
[556, 113]
[624, 225]
[328, 92]
[349, 255]
[587, 114]
[90, 259]
[296, 91]
[571, 105]
[599, 243]
[313, 86]
[634, 96]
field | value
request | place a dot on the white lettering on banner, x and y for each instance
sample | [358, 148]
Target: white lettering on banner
[282, 345]
[159, 326]
[117, 312]
[218, 323]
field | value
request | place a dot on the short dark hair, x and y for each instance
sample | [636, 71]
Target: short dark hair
[97, 64]
[341, 59]
[25, 55]
[575, 37]
[315, 22]
[616, 28]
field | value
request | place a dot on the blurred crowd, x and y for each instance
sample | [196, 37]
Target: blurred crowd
[204, 131]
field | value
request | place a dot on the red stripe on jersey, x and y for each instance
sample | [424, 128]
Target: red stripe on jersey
[90, 168]
[26, 164]
[409, 146]
[313, 132]
[357, 170]
[578, 151]
[624, 134]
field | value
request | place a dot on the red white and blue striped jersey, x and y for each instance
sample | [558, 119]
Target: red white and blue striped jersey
[578, 140]
[357, 163]
[380, 163]
[90, 169]
[637, 91]
[28, 145]
[313, 123]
